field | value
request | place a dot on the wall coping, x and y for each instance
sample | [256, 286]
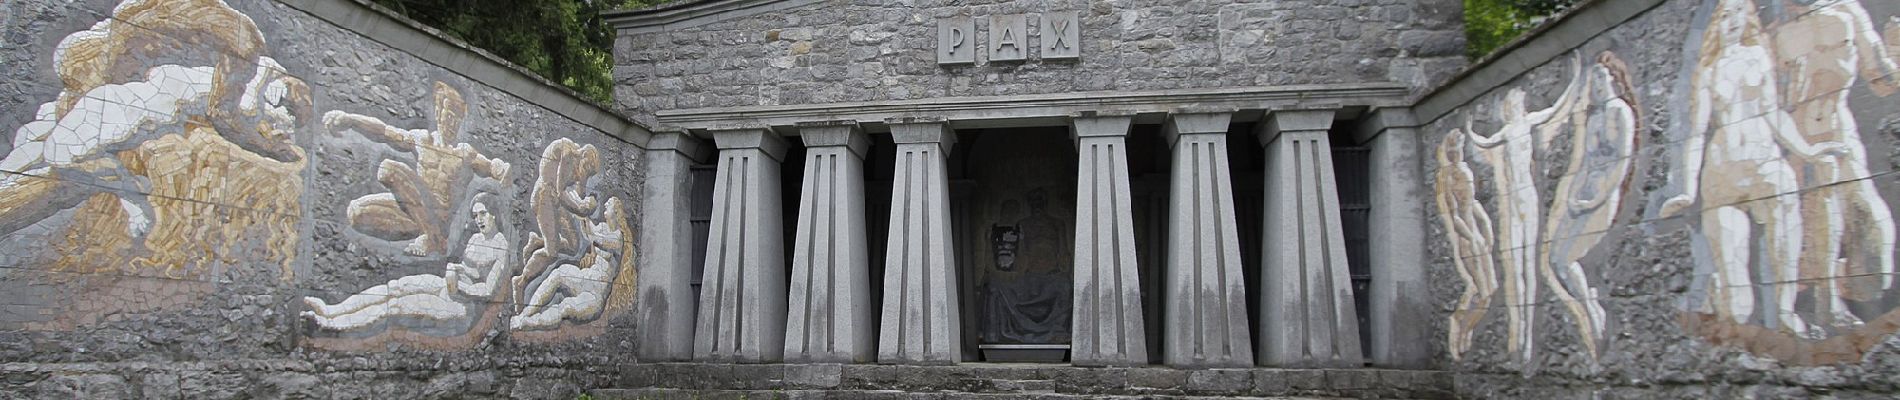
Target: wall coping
[1054, 108]
[686, 14]
[381, 25]
[1564, 33]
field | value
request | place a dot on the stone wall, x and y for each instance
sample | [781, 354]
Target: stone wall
[1673, 198]
[202, 199]
[877, 50]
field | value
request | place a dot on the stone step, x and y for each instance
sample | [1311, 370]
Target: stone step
[1041, 379]
[697, 394]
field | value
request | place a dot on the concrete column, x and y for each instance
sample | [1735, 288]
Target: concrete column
[919, 324]
[1307, 314]
[829, 320]
[1400, 300]
[666, 240]
[742, 295]
[1206, 323]
[1107, 320]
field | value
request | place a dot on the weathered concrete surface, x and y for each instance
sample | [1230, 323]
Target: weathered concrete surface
[1401, 303]
[1108, 326]
[667, 299]
[1307, 318]
[829, 318]
[742, 300]
[1206, 325]
[919, 323]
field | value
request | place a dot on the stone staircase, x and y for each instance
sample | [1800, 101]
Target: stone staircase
[1013, 381]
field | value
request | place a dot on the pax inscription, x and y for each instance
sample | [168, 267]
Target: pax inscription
[1008, 38]
[956, 41]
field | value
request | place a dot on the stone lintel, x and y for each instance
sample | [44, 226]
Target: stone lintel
[1111, 126]
[751, 138]
[836, 133]
[680, 142]
[937, 132]
[1191, 123]
[1280, 121]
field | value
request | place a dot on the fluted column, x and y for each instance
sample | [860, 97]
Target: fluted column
[1307, 313]
[829, 319]
[666, 241]
[742, 295]
[1107, 323]
[1207, 308]
[919, 322]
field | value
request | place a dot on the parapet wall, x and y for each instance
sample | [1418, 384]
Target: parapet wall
[202, 199]
[1672, 198]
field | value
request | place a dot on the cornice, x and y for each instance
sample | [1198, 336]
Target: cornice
[693, 13]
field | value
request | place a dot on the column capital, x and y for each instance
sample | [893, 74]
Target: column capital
[1094, 125]
[1379, 121]
[751, 138]
[1193, 123]
[682, 143]
[835, 133]
[936, 132]
[1282, 121]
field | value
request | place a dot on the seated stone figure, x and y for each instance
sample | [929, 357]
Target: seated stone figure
[1028, 298]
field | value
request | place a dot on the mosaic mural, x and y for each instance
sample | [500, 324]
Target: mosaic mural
[1794, 228]
[1526, 239]
[172, 152]
[1763, 161]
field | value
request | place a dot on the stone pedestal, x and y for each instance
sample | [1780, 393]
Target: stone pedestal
[1401, 304]
[1307, 313]
[1206, 324]
[829, 318]
[1107, 326]
[742, 295]
[920, 316]
[666, 243]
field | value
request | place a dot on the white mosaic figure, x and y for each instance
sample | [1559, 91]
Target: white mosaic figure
[418, 204]
[477, 276]
[1734, 162]
[1509, 151]
[1824, 49]
[1604, 129]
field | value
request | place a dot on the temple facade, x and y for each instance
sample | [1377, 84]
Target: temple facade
[1206, 184]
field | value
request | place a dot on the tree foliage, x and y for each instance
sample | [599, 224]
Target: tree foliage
[564, 41]
[1490, 24]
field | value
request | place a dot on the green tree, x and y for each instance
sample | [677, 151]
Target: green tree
[1490, 24]
[564, 41]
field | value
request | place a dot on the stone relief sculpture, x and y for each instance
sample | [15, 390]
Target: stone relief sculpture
[470, 281]
[1795, 228]
[590, 241]
[422, 197]
[1598, 109]
[149, 150]
[1469, 228]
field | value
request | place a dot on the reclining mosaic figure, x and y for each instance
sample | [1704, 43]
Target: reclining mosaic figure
[474, 278]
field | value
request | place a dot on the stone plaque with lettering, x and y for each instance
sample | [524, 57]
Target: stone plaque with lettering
[1061, 36]
[1008, 40]
[956, 40]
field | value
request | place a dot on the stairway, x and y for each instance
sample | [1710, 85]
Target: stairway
[1013, 381]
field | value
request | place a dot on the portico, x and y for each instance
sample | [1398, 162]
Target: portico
[1224, 198]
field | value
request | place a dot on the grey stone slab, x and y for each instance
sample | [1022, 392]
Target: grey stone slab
[1401, 305]
[742, 297]
[919, 322]
[1107, 328]
[1060, 36]
[1008, 38]
[1206, 318]
[667, 300]
[956, 40]
[1307, 312]
[830, 305]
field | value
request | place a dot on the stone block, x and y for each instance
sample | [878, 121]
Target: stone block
[1219, 381]
[1157, 378]
[810, 376]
